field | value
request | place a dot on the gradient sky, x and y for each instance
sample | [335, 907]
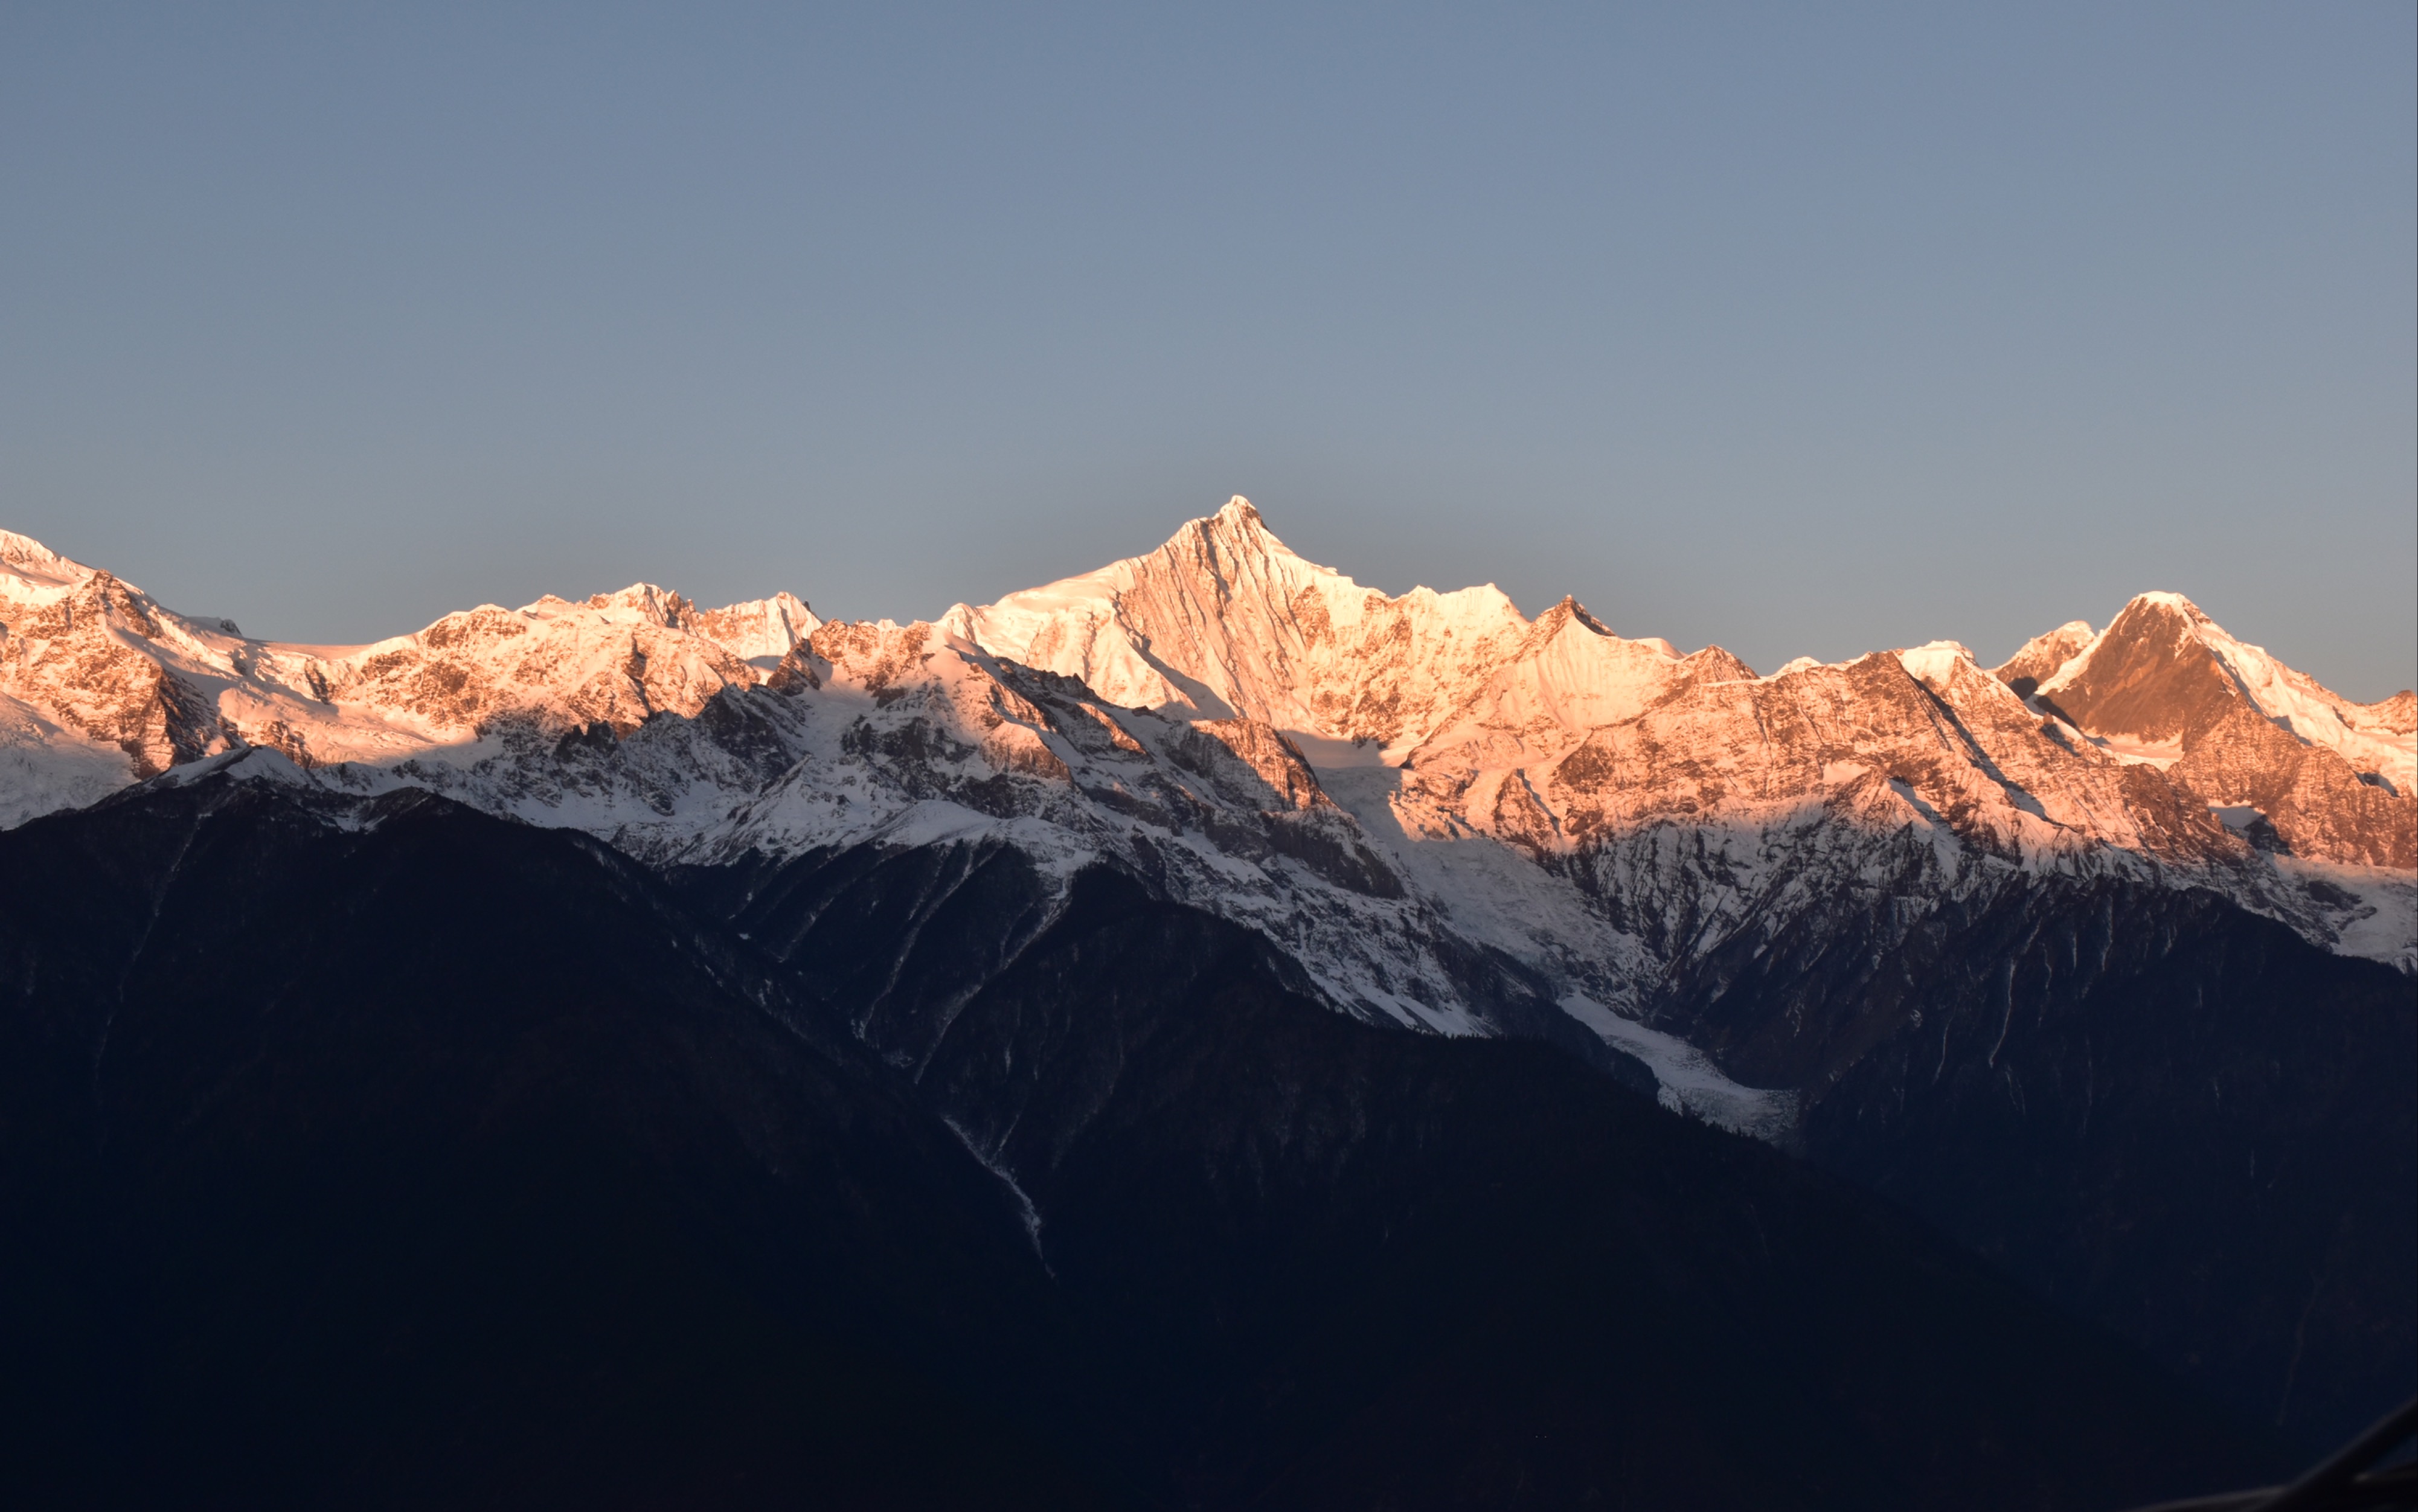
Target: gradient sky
[1803, 329]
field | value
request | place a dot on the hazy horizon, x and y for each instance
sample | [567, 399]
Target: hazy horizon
[1804, 334]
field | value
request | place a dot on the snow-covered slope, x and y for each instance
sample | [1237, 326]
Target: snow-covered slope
[45, 765]
[31, 574]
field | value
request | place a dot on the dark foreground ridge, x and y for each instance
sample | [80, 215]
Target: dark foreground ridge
[2161, 1111]
[383, 1154]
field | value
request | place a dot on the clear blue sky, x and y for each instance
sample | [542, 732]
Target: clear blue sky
[1803, 329]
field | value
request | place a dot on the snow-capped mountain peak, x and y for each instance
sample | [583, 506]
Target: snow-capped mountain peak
[22, 551]
[1934, 663]
[2164, 675]
[757, 630]
[2295, 766]
[2151, 676]
[1225, 620]
[32, 574]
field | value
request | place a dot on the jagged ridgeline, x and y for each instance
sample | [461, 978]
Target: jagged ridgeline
[1177, 914]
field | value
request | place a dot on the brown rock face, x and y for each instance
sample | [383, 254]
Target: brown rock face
[2316, 806]
[1249, 762]
[876, 655]
[78, 657]
[2166, 677]
[2151, 679]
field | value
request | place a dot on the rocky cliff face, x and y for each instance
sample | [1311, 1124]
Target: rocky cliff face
[95, 658]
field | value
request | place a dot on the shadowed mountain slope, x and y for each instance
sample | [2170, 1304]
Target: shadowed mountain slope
[2169, 1114]
[387, 1153]
[393, 1155]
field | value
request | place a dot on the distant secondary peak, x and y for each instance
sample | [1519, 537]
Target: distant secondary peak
[1568, 611]
[30, 573]
[1934, 663]
[659, 601]
[2043, 656]
[26, 551]
[2163, 603]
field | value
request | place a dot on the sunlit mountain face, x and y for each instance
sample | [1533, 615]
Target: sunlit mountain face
[1198, 1033]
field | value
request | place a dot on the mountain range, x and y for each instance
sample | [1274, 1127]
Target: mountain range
[1213, 889]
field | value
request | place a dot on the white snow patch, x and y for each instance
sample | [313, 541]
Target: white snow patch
[1031, 1214]
[250, 763]
[1325, 751]
[2159, 753]
[1934, 664]
[2381, 921]
[45, 767]
[1490, 893]
[1691, 1084]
